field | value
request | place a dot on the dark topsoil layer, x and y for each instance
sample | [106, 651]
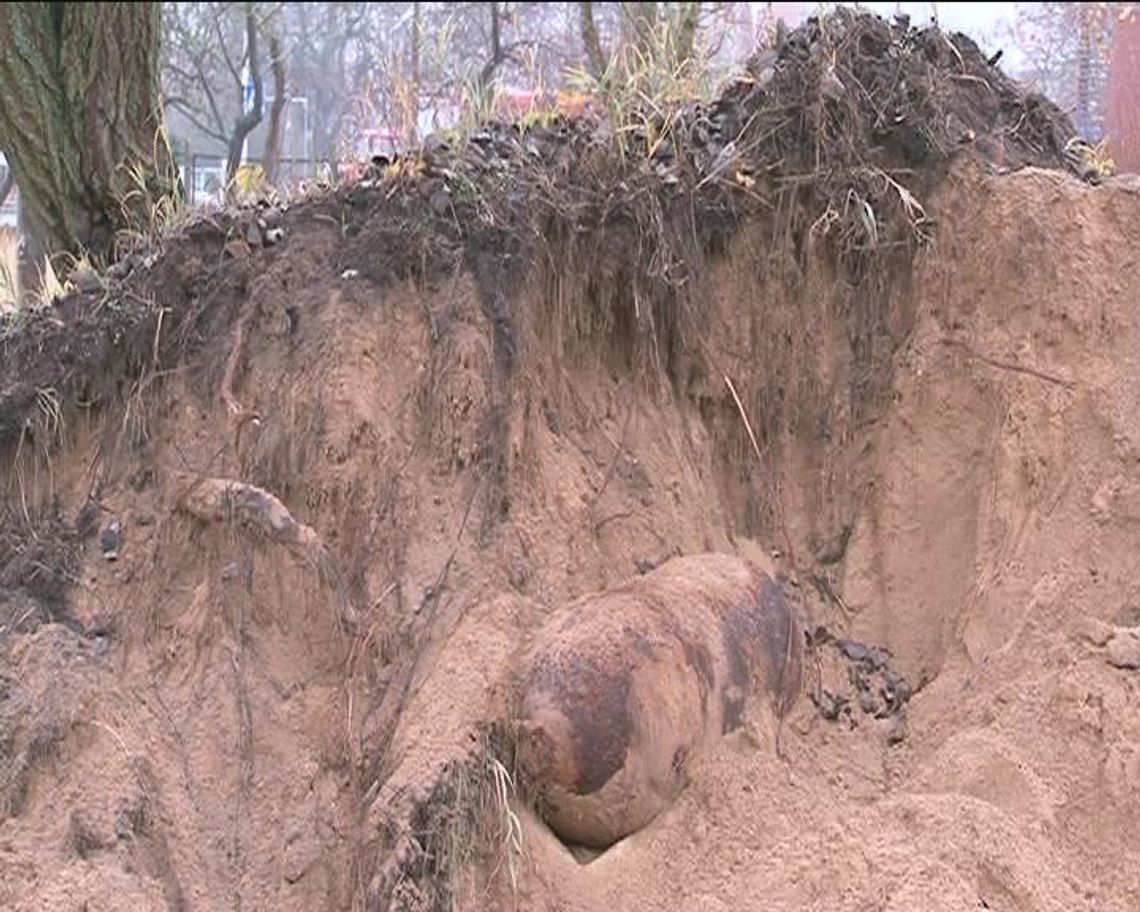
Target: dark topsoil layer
[850, 122]
[844, 101]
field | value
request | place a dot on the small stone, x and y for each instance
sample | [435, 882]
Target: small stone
[123, 827]
[868, 703]
[253, 234]
[88, 520]
[856, 652]
[122, 268]
[519, 574]
[1095, 630]
[1123, 649]
[877, 658]
[440, 201]
[897, 732]
[1128, 616]
[86, 280]
[350, 274]
[830, 705]
[110, 539]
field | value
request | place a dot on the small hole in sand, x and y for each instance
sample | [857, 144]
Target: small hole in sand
[583, 854]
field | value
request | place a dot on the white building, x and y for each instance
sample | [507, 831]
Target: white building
[9, 209]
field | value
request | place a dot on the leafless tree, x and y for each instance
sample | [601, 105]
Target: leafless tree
[395, 68]
[210, 47]
[1066, 45]
[81, 124]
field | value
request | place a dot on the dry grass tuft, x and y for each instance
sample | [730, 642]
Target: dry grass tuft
[466, 835]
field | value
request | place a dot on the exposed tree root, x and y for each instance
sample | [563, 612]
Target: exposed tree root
[232, 361]
[1009, 365]
[220, 500]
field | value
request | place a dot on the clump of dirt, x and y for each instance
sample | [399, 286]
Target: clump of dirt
[859, 681]
[38, 567]
[360, 446]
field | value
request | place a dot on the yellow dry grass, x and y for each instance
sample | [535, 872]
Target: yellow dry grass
[8, 245]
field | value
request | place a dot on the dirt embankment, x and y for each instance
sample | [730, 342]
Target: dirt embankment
[355, 469]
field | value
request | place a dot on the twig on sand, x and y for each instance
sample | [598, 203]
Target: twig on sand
[783, 699]
[617, 456]
[760, 460]
[233, 360]
[1009, 365]
[433, 592]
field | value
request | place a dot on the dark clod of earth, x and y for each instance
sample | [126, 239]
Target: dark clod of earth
[869, 684]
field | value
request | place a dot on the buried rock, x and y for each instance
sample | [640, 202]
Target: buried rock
[624, 686]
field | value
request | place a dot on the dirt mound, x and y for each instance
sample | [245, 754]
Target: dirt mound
[356, 465]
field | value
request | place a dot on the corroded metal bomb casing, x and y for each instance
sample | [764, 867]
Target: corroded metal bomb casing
[623, 687]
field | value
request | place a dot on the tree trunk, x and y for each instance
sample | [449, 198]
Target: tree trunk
[245, 124]
[81, 122]
[497, 55]
[417, 37]
[688, 17]
[484, 94]
[590, 40]
[1084, 72]
[31, 261]
[272, 163]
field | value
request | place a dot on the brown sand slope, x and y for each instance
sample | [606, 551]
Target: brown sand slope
[211, 740]
[356, 470]
[1002, 518]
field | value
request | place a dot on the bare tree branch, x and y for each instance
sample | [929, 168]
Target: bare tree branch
[222, 46]
[497, 55]
[248, 120]
[190, 112]
[590, 40]
[272, 158]
[210, 99]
